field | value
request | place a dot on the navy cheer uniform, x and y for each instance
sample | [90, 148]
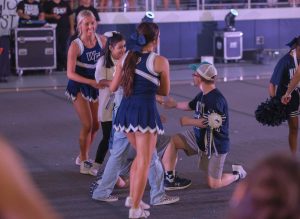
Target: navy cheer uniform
[138, 112]
[282, 75]
[85, 66]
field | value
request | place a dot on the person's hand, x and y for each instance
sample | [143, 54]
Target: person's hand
[201, 123]
[100, 85]
[93, 83]
[286, 98]
[169, 103]
[159, 99]
[103, 83]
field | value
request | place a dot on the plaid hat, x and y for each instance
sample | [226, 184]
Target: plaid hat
[205, 69]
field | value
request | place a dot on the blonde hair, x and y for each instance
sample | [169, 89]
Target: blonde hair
[83, 14]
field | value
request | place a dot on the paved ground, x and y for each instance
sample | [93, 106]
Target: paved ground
[42, 125]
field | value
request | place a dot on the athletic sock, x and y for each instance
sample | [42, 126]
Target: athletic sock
[237, 175]
[170, 176]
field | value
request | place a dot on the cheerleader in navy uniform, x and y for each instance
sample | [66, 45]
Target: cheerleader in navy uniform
[142, 74]
[279, 84]
[82, 88]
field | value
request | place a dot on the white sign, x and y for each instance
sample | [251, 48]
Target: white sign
[9, 18]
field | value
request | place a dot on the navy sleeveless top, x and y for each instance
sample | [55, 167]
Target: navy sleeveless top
[138, 112]
[85, 66]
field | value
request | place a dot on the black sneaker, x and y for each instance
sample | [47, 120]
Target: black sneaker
[178, 183]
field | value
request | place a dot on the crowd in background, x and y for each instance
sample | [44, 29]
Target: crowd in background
[246, 195]
[139, 5]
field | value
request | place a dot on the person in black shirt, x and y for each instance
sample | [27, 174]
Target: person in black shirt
[86, 5]
[59, 12]
[29, 10]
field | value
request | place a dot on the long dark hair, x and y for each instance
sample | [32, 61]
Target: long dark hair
[148, 32]
[111, 41]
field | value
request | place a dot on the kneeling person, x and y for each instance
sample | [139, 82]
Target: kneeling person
[209, 137]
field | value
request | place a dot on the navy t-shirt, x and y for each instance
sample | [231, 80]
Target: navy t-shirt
[32, 9]
[213, 101]
[62, 9]
[283, 73]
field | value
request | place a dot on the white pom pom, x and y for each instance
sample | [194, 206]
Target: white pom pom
[214, 120]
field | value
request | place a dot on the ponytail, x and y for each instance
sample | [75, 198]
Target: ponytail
[129, 71]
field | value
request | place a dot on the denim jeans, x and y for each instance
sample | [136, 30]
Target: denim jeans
[118, 160]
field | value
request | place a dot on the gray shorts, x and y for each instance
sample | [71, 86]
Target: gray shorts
[161, 146]
[162, 143]
[213, 166]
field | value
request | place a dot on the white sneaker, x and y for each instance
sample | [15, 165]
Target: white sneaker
[78, 161]
[85, 167]
[129, 203]
[166, 199]
[110, 198]
[240, 170]
[94, 169]
[138, 213]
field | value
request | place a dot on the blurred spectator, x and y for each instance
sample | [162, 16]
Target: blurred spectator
[59, 12]
[86, 5]
[104, 5]
[272, 3]
[29, 10]
[73, 4]
[19, 197]
[118, 5]
[296, 2]
[271, 191]
[166, 4]
[131, 5]
[4, 58]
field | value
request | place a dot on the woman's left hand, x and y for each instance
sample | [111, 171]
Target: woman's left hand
[286, 98]
[100, 85]
[93, 83]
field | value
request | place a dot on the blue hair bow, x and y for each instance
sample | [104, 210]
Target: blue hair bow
[139, 39]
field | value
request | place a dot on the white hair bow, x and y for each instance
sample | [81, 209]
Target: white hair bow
[111, 33]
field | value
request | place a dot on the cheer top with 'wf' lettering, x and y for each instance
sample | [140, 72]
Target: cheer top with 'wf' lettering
[85, 66]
